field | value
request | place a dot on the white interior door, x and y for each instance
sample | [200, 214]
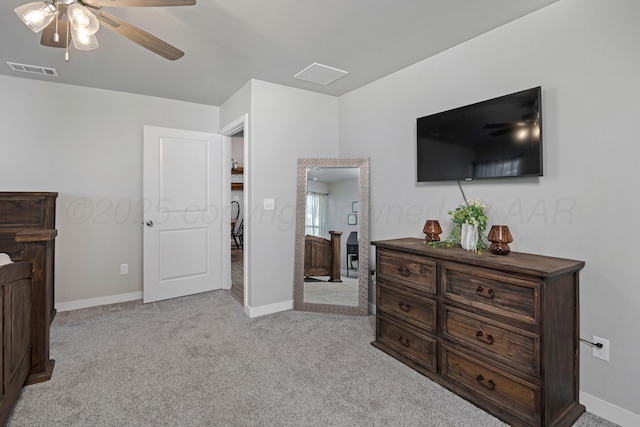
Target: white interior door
[183, 213]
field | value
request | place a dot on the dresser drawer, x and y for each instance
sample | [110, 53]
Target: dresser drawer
[410, 270]
[416, 347]
[492, 385]
[499, 293]
[512, 346]
[415, 309]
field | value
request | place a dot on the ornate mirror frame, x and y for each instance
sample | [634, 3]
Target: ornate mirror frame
[363, 236]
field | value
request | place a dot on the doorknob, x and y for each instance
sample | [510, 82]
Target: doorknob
[149, 223]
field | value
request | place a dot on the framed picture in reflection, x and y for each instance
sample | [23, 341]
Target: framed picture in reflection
[352, 219]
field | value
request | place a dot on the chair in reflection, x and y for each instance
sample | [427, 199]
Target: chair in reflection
[352, 252]
[237, 235]
[236, 229]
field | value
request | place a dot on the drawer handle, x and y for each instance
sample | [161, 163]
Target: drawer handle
[404, 271]
[404, 307]
[489, 295]
[489, 384]
[404, 341]
[488, 340]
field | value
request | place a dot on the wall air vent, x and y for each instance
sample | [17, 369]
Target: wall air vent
[34, 69]
[320, 74]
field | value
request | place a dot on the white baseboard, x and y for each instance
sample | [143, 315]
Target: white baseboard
[608, 411]
[94, 302]
[269, 309]
[113, 299]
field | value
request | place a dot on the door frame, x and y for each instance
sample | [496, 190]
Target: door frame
[237, 125]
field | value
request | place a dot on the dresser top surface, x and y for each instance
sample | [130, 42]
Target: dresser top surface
[20, 194]
[516, 262]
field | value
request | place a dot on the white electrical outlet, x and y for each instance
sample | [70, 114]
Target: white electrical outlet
[124, 268]
[601, 352]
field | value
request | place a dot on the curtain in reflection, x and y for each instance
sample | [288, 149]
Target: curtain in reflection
[316, 214]
[508, 167]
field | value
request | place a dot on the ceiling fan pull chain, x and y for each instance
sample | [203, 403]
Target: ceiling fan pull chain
[56, 36]
[66, 52]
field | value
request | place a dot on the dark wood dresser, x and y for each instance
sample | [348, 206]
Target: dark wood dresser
[27, 234]
[15, 356]
[500, 331]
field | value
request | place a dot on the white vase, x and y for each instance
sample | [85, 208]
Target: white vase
[469, 236]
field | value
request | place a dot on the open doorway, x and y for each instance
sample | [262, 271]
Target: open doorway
[237, 215]
[236, 258]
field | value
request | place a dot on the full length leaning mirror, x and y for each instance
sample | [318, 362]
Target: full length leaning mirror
[332, 236]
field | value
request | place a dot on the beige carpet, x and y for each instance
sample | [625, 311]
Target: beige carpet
[339, 293]
[200, 361]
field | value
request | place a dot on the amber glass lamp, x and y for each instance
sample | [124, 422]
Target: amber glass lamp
[500, 237]
[432, 230]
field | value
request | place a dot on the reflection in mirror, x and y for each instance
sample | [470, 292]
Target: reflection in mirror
[332, 236]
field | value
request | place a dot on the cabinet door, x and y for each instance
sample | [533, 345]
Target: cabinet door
[17, 321]
[512, 346]
[510, 395]
[407, 307]
[2, 353]
[412, 271]
[509, 296]
[407, 342]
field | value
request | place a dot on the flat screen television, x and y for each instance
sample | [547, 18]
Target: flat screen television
[496, 138]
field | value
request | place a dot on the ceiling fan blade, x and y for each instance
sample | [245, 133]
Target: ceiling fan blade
[47, 38]
[497, 125]
[139, 36]
[501, 132]
[139, 3]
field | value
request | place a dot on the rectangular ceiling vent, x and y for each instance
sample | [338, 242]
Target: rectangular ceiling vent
[320, 74]
[34, 69]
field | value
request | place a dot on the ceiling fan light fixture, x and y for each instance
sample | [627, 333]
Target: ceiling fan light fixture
[522, 134]
[36, 15]
[536, 130]
[82, 19]
[84, 41]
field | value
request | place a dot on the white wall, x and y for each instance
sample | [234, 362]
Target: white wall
[237, 149]
[584, 54]
[287, 124]
[318, 187]
[342, 194]
[284, 124]
[86, 144]
[236, 106]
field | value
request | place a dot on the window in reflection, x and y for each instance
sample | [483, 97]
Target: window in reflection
[316, 214]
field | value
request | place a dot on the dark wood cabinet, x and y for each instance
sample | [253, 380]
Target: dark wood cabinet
[500, 331]
[27, 234]
[15, 354]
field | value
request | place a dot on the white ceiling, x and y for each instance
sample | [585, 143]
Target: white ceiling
[228, 42]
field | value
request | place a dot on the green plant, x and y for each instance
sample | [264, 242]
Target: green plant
[473, 213]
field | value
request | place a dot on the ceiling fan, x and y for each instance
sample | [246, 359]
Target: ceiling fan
[528, 125]
[77, 21]
[503, 128]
